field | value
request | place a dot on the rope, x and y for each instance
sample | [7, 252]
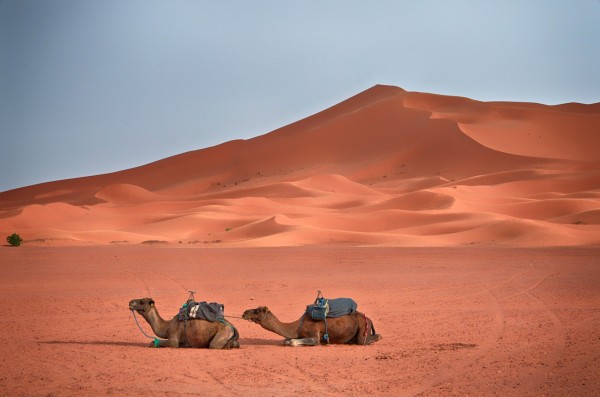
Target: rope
[241, 318]
[156, 340]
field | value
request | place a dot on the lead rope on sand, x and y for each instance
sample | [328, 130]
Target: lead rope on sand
[156, 340]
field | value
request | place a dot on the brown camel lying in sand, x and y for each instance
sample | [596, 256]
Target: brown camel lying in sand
[192, 333]
[353, 328]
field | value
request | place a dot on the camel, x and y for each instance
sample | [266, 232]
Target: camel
[192, 333]
[353, 328]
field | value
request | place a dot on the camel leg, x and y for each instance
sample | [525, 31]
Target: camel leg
[362, 340]
[373, 338]
[165, 343]
[301, 342]
[221, 339]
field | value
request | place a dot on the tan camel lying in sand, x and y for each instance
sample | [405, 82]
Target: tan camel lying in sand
[353, 328]
[192, 333]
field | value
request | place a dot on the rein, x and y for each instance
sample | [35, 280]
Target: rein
[241, 318]
[156, 340]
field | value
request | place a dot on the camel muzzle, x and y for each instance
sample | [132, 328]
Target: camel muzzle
[134, 308]
[248, 318]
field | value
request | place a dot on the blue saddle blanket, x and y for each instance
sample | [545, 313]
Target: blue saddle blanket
[338, 307]
[205, 311]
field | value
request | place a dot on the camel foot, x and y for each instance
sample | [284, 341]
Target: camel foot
[373, 338]
[301, 342]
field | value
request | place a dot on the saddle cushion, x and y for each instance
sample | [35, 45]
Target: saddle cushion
[202, 310]
[337, 308]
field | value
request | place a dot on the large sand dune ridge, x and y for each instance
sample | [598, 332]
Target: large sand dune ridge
[385, 167]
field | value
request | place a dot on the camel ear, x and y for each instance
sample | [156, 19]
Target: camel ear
[263, 309]
[151, 302]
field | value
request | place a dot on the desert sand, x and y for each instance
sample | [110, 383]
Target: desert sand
[469, 232]
[462, 321]
[384, 168]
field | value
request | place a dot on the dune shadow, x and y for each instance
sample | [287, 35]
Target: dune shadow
[95, 342]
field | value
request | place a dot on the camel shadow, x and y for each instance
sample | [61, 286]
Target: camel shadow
[260, 342]
[96, 342]
[243, 342]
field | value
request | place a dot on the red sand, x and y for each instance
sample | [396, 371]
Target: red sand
[455, 321]
[386, 168]
[346, 202]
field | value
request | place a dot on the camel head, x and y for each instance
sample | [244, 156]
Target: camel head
[256, 315]
[141, 305]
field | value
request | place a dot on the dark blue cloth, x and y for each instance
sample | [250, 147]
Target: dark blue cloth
[206, 311]
[338, 307]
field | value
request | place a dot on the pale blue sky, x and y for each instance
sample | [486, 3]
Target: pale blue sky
[89, 87]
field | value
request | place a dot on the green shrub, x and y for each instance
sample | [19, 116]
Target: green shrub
[14, 239]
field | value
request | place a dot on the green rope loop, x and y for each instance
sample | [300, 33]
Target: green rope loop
[156, 341]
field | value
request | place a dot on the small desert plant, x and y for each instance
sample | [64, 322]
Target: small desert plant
[14, 239]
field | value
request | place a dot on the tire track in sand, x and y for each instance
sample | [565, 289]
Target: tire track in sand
[556, 339]
[460, 366]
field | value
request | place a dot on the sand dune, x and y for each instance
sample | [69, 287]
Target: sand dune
[562, 132]
[123, 194]
[385, 167]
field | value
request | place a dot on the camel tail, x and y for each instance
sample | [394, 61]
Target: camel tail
[236, 334]
[372, 325]
[234, 341]
[368, 321]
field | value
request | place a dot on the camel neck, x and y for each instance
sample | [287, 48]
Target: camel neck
[287, 330]
[159, 326]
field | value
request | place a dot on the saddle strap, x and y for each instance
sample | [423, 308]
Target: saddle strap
[227, 323]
